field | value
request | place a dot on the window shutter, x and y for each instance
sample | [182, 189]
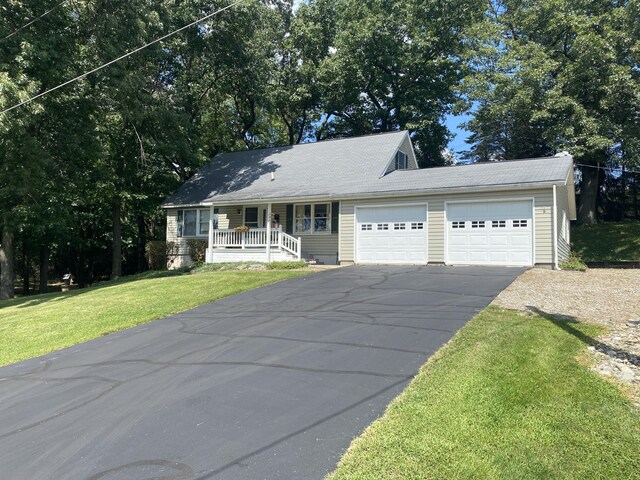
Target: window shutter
[288, 227]
[180, 223]
[335, 211]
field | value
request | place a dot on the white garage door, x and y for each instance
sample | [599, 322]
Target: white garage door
[393, 234]
[490, 233]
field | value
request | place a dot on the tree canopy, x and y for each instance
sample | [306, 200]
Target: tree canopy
[84, 169]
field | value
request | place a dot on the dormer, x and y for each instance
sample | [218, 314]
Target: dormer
[403, 159]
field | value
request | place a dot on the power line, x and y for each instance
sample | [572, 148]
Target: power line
[626, 170]
[33, 20]
[128, 54]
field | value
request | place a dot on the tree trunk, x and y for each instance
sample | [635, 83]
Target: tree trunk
[7, 275]
[588, 196]
[623, 194]
[25, 269]
[116, 260]
[44, 269]
[142, 243]
[81, 272]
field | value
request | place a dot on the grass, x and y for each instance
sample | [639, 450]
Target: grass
[574, 262]
[505, 399]
[607, 242]
[33, 326]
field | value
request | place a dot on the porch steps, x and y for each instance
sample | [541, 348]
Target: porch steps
[224, 255]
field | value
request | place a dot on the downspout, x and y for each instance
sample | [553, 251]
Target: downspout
[555, 229]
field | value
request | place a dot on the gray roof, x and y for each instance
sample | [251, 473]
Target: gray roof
[348, 168]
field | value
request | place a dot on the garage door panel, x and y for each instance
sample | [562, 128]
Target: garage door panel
[488, 233]
[402, 242]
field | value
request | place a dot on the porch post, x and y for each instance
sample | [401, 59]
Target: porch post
[268, 232]
[210, 252]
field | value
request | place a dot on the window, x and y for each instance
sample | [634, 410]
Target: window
[383, 226]
[366, 226]
[399, 226]
[417, 226]
[203, 223]
[477, 224]
[312, 218]
[195, 223]
[458, 224]
[251, 217]
[190, 220]
[519, 223]
[401, 161]
[498, 224]
[321, 217]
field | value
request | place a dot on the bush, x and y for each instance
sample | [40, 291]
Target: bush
[573, 262]
[286, 265]
[197, 250]
[156, 252]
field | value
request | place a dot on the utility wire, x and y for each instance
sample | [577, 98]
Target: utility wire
[626, 170]
[128, 54]
[33, 20]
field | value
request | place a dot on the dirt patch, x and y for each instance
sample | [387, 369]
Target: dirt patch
[604, 296]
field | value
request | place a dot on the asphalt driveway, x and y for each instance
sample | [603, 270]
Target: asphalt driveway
[269, 384]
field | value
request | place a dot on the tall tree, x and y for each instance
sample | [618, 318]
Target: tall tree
[558, 75]
[396, 65]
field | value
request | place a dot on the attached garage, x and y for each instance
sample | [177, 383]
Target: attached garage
[490, 233]
[394, 234]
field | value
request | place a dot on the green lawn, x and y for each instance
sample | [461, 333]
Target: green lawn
[33, 326]
[607, 242]
[505, 399]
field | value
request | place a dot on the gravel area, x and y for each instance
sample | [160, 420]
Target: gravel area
[604, 296]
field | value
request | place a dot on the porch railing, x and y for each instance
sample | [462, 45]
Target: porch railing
[257, 238]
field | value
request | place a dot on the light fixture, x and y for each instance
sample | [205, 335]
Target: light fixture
[239, 211]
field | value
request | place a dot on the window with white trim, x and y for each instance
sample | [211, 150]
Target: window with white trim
[195, 222]
[366, 226]
[477, 224]
[458, 224]
[520, 223]
[417, 225]
[312, 218]
[399, 226]
[402, 161]
[383, 226]
[498, 224]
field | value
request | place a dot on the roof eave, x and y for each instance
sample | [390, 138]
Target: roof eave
[364, 195]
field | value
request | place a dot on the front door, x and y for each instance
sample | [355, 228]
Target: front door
[255, 217]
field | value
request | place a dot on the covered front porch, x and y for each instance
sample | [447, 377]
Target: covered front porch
[252, 233]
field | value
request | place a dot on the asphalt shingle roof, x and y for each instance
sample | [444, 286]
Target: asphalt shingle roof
[348, 167]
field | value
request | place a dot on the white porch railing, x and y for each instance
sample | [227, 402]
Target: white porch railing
[257, 238]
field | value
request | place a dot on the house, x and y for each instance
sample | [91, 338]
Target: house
[364, 200]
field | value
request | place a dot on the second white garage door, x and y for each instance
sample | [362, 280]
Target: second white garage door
[490, 233]
[391, 234]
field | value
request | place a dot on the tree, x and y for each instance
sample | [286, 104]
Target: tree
[396, 65]
[558, 75]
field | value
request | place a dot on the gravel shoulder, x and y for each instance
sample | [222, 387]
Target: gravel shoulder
[607, 297]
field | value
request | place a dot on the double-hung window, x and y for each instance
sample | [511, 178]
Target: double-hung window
[195, 222]
[312, 218]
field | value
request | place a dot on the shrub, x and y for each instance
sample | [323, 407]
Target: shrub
[286, 265]
[157, 252]
[197, 250]
[573, 262]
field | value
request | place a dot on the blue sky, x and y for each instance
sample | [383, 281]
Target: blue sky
[458, 142]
